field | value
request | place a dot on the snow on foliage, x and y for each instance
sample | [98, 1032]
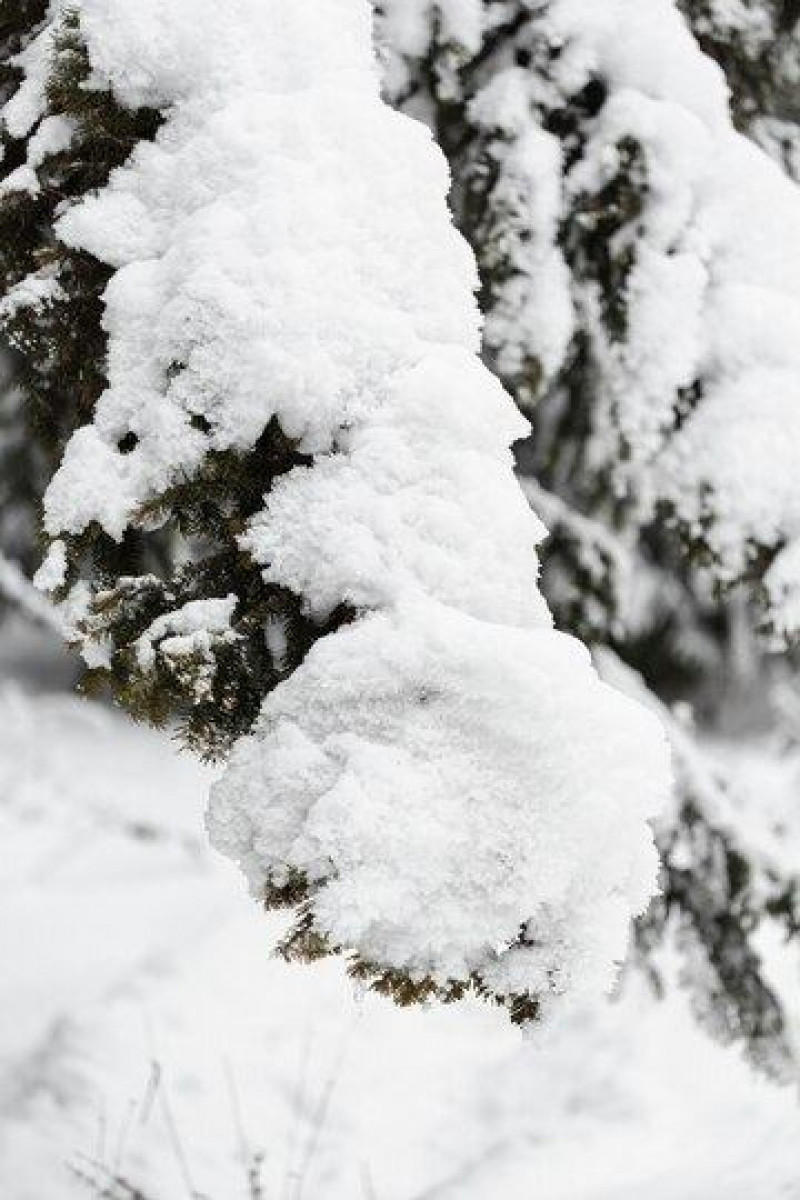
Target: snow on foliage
[466, 799]
[696, 372]
[443, 786]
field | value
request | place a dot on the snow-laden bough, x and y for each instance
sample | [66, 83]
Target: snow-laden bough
[442, 787]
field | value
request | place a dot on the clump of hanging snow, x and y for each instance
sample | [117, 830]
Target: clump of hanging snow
[459, 790]
[419, 497]
[23, 179]
[646, 48]
[703, 385]
[452, 783]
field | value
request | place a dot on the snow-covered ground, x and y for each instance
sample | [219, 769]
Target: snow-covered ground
[147, 1032]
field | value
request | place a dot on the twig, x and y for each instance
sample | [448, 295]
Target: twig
[252, 1161]
[18, 589]
[105, 1184]
[319, 1120]
[161, 1096]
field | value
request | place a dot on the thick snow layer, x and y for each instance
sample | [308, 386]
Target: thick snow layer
[460, 792]
[421, 497]
[714, 295]
[452, 781]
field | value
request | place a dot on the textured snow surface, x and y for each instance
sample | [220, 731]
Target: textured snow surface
[460, 790]
[452, 781]
[146, 1029]
[714, 295]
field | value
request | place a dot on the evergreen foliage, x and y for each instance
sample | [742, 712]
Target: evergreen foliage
[215, 692]
[21, 475]
[53, 318]
[720, 891]
[716, 900]
[52, 310]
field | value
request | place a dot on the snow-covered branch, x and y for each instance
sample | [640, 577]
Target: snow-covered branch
[437, 782]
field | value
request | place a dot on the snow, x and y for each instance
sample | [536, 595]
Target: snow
[407, 26]
[53, 136]
[53, 570]
[533, 312]
[34, 291]
[310, 285]
[283, 251]
[188, 630]
[146, 1028]
[711, 275]
[434, 829]
[647, 49]
[463, 793]
[420, 499]
[24, 109]
[22, 180]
